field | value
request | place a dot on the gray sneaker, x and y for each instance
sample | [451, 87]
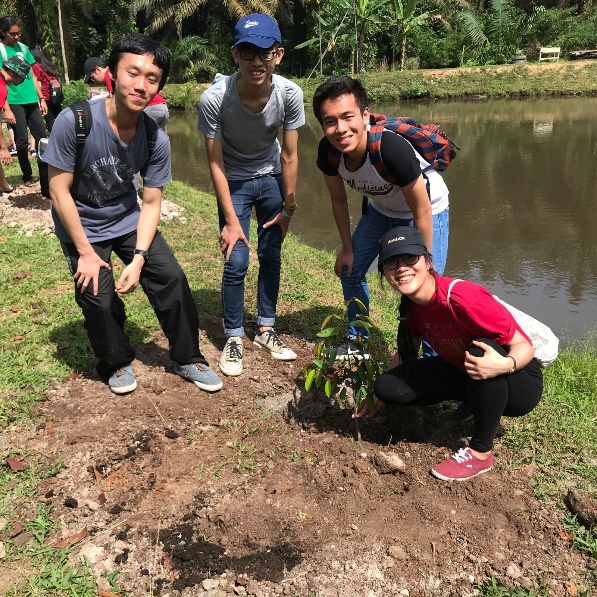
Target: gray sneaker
[123, 380]
[201, 375]
[231, 361]
[271, 342]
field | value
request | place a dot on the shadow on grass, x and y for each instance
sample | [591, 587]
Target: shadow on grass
[74, 350]
[302, 324]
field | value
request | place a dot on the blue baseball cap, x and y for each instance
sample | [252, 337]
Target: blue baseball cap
[257, 29]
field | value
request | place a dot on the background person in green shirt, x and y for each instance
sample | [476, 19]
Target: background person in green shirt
[26, 101]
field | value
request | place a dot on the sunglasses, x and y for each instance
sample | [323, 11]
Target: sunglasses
[264, 55]
[408, 260]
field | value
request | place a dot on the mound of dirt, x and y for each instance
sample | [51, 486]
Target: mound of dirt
[261, 490]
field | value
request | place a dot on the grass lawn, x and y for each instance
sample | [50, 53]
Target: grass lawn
[39, 320]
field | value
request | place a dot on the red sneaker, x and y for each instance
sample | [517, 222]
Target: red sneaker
[461, 466]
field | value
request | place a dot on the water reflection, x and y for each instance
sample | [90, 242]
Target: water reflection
[523, 193]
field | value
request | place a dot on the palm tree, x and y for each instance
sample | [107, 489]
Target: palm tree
[161, 13]
[191, 57]
[404, 19]
[328, 29]
[365, 13]
[500, 32]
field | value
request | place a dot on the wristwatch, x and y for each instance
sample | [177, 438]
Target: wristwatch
[143, 253]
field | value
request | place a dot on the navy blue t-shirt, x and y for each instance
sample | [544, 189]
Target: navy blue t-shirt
[102, 187]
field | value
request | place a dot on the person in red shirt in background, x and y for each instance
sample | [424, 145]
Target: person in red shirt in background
[45, 71]
[14, 71]
[97, 71]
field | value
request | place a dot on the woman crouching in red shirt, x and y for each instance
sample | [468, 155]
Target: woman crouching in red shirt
[485, 359]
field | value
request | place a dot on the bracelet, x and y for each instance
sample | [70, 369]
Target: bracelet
[509, 356]
[290, 206]
[285, 213]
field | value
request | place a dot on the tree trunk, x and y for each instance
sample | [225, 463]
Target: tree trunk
[403, 57]
[361, 45]
[64, 62]
[356, 40]
[320, 45]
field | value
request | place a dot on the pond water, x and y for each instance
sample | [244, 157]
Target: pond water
[523, 198]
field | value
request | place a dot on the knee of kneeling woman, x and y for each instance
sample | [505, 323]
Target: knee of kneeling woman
[477, 351]
[393, 390]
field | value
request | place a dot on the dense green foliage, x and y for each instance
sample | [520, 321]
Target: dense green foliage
[326, 37]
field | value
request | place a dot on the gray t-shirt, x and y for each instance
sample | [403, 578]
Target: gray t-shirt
[249, 141]
[102, 187]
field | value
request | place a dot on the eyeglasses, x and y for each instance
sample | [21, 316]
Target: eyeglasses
[408, 260]
[264, 55]
[13, 33]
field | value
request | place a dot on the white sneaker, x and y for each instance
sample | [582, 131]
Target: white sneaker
[231, 361]
[348, 350]
[271, 342]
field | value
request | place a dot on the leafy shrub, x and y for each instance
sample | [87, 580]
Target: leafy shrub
[184, 96]
[74, 91]
[580, 34]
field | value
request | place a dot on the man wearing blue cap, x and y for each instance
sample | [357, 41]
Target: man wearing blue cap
[240, 117]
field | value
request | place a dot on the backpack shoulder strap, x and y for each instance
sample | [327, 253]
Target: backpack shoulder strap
[282, 90]
[3, 51]
[151, 133]
[223, 82]
[450, 288]
[23, 47]
[377, 124]
[83, 122]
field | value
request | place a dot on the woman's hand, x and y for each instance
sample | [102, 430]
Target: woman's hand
[491, 364]
[365, 413]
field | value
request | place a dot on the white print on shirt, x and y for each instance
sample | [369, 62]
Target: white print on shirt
[111, 172]
[368, 188]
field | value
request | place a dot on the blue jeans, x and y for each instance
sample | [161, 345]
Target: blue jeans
[365, 245]
[266, 195]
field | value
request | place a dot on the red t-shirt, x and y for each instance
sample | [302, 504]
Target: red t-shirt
[473, 313]
[43, 78]
[3, 92]
[158, 99]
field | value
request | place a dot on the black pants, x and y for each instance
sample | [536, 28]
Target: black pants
[27, 116]
[435, 381]
[166, 286]
[50, 117]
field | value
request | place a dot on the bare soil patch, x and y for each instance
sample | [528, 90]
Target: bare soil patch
[262, 490]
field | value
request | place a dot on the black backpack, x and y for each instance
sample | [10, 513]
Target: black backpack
[56, 94]
[83, 122]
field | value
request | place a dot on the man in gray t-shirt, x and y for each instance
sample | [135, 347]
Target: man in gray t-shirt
[94, 206]
[240, 117]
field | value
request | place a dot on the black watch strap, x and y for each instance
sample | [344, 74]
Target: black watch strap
[143, 253]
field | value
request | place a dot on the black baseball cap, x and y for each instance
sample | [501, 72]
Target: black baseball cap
[402, 240]
[90, 65]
